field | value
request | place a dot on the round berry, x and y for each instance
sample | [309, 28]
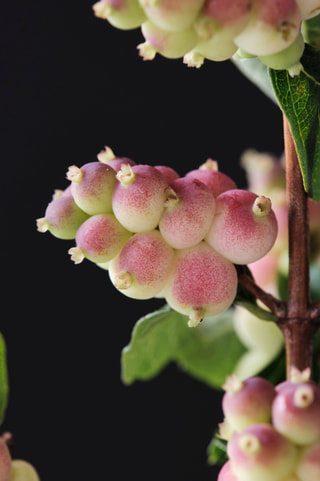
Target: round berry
[188, 213]
[259, 452]
[138, 197]
[92, 187]
[99, 239]
[202, 283]
[62, 217]
[244, 227]
[296, 412]
[143, 266]
[247, 402]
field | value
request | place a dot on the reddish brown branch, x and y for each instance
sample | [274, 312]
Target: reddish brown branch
[277, 307]
[297, 327]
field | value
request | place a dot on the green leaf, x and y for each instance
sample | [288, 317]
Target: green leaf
[208, 352]
[311, 31]
[217, 450]
[4, 386]
[299, 99]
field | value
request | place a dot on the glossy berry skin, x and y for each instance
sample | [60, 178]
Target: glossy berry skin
[202, 283]
[92, 187]
[143, 266]
[244, 227]
[308, 468]
[99, 239]
[62, 217]
[296, 412]
[188, 213]
[138, 197]
[247, 402]
[259, 452]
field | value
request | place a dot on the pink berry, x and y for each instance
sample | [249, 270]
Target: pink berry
[168, 173]
[107, 157]
[138, 197]
[143, 266]
[308, 468]
[202, 283]
[167, 43]
[62, 218]
[296, 412]
[188, 214]
[92, 187]
[247, 402]
[226, 473]
[209, 174]
[123, 14]
[273, 26]
[172, 14]
[244, 227]
[259, 452]
[99, 239]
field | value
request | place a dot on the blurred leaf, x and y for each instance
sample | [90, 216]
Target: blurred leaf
[217, 450]
[299, 99]
[311, 31]
[4, 386]
[208, 352]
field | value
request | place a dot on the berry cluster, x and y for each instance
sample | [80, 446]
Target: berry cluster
[162, 235]
[215, 29]
[273, 433]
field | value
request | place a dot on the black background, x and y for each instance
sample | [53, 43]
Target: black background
[70, 84]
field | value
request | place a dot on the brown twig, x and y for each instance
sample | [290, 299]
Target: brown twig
[277, 307]
[297, 328]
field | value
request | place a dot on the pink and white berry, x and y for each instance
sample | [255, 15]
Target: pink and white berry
[247, 401]
[188, 214]
[308, 468]
[143, 266]
[138, 197]
[62, 217]
[167, 43]
[108, 157]
[226, 473]
[216, 180]
[244, 227]
[296, 412]
[273, 26]
[202, 283]
[92, 187]
[261, 453]
[99, 239]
